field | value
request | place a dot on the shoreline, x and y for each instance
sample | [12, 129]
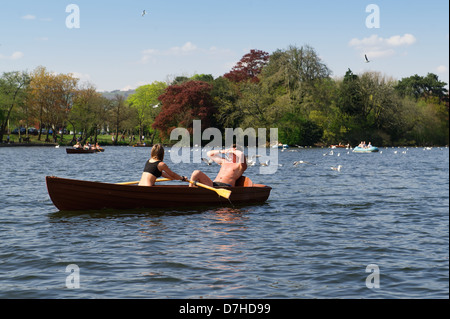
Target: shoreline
[167, 145]
[27, 144]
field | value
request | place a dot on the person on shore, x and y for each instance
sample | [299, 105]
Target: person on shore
[155, 168]
[233, 165]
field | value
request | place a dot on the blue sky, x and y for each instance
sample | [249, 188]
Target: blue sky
[118, 48]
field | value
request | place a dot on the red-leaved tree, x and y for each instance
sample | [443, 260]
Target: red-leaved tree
[249, 67]
[184, 103]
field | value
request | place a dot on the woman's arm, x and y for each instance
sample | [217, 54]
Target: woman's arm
[167, 172]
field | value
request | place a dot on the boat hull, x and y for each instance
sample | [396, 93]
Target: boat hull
[83, 151]
[76, 195]
[372, 149]
[79, 151]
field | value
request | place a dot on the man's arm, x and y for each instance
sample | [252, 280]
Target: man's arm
[216, 157]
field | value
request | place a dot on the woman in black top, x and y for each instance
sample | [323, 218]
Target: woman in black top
[155, 168]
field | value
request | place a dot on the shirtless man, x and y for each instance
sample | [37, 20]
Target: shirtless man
[232, 167]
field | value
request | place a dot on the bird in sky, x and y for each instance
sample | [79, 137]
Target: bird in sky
[367, 59]
[144, 13]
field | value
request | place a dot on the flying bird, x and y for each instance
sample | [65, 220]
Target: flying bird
[367, 59]
[144, 13]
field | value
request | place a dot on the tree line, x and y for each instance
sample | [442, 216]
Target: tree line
[291, 89]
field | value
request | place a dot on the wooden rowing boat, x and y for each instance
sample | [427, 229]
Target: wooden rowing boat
[74, 195]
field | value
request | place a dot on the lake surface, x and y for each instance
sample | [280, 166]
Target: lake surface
[314, 238]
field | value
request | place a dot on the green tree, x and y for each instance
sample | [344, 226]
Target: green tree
[350, 97]
[88, 113]
[208, 78]
[226, 94]
[294, 71]
[422, 87]
[296, 130]
[51, 98]
[119, 113]
[145, 102]
[13, 88]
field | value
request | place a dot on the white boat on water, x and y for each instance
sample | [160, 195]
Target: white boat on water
[371, 149]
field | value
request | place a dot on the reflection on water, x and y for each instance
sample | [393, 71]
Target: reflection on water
[227, 214]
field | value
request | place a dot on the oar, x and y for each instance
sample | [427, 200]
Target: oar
[220, 191]
[137, 182]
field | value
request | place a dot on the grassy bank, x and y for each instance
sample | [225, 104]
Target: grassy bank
[103, 140]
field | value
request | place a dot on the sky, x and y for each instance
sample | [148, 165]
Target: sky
[115, 47]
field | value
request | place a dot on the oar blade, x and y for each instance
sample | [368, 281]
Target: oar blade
[223, 193]
[220, 191]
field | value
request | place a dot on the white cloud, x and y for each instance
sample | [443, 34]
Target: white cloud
[188, 47]
[15, 56]
[33, 17]
[150, 54]
[376, 46]
[128, 88]
[133, 87]
[83, 77]
[375, 40]
[397, 40]
[442, 69]
[29, 17]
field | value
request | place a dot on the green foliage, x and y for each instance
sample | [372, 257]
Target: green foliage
[296, 130]
[290, 89]
[13, 93]
[422, 87]
[145, 102]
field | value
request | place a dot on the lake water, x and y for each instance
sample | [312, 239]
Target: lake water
[314, 238]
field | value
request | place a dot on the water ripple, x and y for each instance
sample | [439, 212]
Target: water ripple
[313, 238]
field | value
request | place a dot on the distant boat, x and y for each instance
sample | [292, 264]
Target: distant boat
[78, 151]
[371, 149]
[142, 145]
[279, 145]
[339, 146]
[83, 151]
